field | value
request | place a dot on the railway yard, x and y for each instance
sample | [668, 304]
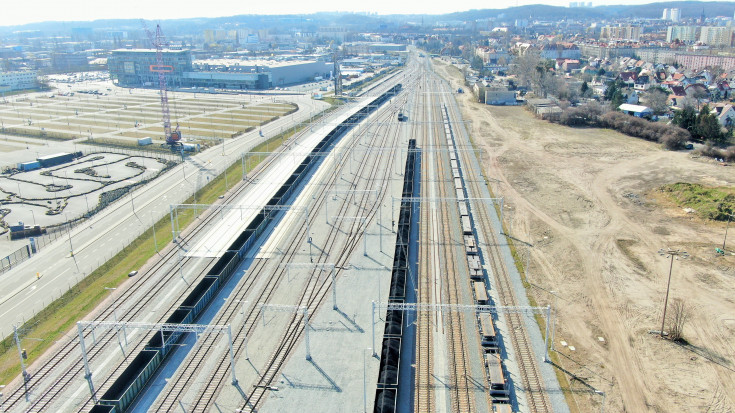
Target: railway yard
[361, 266]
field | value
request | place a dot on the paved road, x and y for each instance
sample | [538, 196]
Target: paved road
[22, 294]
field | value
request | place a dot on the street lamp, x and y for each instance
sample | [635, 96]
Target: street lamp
[68, 231]
[669, 254]
[729, 218]
[153, 223]
[364, 380]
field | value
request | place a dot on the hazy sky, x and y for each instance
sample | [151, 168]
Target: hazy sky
[14, 12]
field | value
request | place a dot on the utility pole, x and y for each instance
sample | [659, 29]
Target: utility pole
[724, 241]
[669, 254]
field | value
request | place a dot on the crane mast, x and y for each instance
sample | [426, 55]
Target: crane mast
[158, 41]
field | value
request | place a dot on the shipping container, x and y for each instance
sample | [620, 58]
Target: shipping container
[29, 166]
[55, 159]
[145, 141]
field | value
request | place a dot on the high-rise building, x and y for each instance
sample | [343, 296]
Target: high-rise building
[627, 33]
[673, 15]
[683, 33]
[716, 36]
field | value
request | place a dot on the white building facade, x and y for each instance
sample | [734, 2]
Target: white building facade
[18, 80]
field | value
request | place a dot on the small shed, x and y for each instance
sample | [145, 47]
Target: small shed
[635, 110]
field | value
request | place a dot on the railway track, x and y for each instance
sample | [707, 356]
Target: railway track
[425, 396]
[68, 357]
[462, 399]
[313, 293]
[314, 296]
[531, 380]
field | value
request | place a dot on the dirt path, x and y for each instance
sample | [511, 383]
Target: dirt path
[586, 200]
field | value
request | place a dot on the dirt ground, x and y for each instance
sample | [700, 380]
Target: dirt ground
[586, 200]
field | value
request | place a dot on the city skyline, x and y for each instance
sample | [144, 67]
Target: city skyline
[35, 11]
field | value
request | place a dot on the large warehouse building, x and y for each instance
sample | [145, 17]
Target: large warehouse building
[132, 68]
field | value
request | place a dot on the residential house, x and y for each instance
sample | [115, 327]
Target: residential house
[725, 114]
[628, 78]
[642, 82]
[635, 110]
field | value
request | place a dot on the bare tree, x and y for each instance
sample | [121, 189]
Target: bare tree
[525, 67]
[657, 101]
[678, 318]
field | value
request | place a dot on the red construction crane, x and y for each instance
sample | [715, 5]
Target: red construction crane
[159, 41]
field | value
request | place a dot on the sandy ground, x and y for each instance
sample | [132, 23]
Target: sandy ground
[586, 200]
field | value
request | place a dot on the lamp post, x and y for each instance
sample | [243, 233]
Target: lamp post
[669, 254]
[153, 222]
[364, 380]
[68, 231]
[724, 241]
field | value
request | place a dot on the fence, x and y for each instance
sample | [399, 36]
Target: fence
[20, 255]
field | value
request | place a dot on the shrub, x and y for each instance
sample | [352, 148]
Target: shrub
[672, 137]
[585, 115]
[725, 154]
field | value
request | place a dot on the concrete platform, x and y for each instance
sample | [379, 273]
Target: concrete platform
[219, 238]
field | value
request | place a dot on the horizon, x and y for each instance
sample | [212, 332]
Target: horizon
[39, 11]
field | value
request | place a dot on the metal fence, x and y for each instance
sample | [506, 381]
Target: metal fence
[20, 255]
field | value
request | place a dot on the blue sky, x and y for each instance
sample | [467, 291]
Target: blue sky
[27, 11]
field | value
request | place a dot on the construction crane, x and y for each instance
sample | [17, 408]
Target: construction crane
[158, 41]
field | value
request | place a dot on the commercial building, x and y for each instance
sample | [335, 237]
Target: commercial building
[497, 95]
[69, 62]
[18, 80]
[132, 68]
[683, 33]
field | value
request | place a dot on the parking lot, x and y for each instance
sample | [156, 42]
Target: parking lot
[91, 111]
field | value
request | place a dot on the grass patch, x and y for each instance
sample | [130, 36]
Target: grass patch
[713, 203]
[50, 324]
